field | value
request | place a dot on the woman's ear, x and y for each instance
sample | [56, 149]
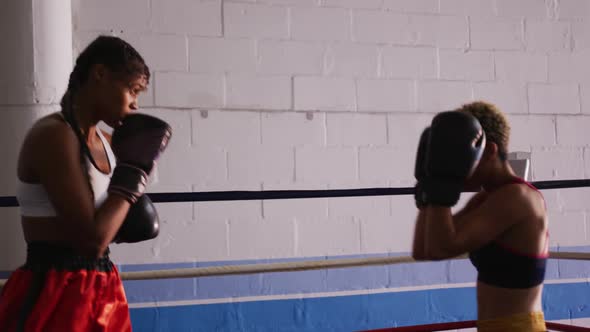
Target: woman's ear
[98, 72]
[491, 150]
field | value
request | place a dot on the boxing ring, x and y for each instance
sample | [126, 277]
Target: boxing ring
[321, 264]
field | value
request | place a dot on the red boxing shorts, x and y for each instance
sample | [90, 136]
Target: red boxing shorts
[58, 290]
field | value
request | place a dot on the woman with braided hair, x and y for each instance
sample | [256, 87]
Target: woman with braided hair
[79, 190]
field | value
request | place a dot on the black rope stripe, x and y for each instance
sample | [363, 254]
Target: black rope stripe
[10, 201]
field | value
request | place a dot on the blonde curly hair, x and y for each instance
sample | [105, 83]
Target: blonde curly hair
[494, 123]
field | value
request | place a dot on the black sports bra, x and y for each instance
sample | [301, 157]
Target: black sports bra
[498, 265]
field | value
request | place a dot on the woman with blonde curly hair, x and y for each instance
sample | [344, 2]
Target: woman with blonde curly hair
[503, 226]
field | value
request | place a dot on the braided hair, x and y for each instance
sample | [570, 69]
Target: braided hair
[115, 54]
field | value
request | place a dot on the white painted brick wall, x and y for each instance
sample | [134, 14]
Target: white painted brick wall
[412, 6]
[198, 165]
[585, 98]
[575, 199]
[573, 9]
[261, 238]
[150, 46]
[477, 8]
[356, 129]
[466, 66]
[188, 90]
[573, 131]
[409, 62]
[442, 31]
[392, 233]
[436, 96]
[568, 67]
[401, 207]
[197, 18]
[208, 241]
[381, 234]
[254, 20]
[548, 36]
[179, 240]
[302, 3]
[227, 210]
[366, 4]
[496, 34]
[290, 57]
[557, 163]
[387, 163]
[567, 229]
[538, 9]
[386, 95]
[554, 99]
[226, 129]
[111, 15]
[380, 27]
[521, 67]
[261, 164]
[317, 94]
[508, 96]
[220, 55]
[317, 237]
[197, 240]
[327, 94]
[553, 201]
[401, 29]
[258, 92]
[406, 128]
[349, 59]
[580, 35]
[326, 24]
[326, 165]
[293, 129]
[523, 138]
[359, 206]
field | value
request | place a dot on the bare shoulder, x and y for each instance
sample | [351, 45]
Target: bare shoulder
[48, 131]
[49, 124]
[515, 201]
[46, 136]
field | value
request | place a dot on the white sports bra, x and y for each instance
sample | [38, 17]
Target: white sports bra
[34, 201]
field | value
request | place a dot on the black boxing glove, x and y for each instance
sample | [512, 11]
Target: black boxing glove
[456, 144]
[141, 223]
[420, 168]
[137, 143]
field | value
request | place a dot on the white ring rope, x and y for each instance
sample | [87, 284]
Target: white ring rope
[293, 266]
